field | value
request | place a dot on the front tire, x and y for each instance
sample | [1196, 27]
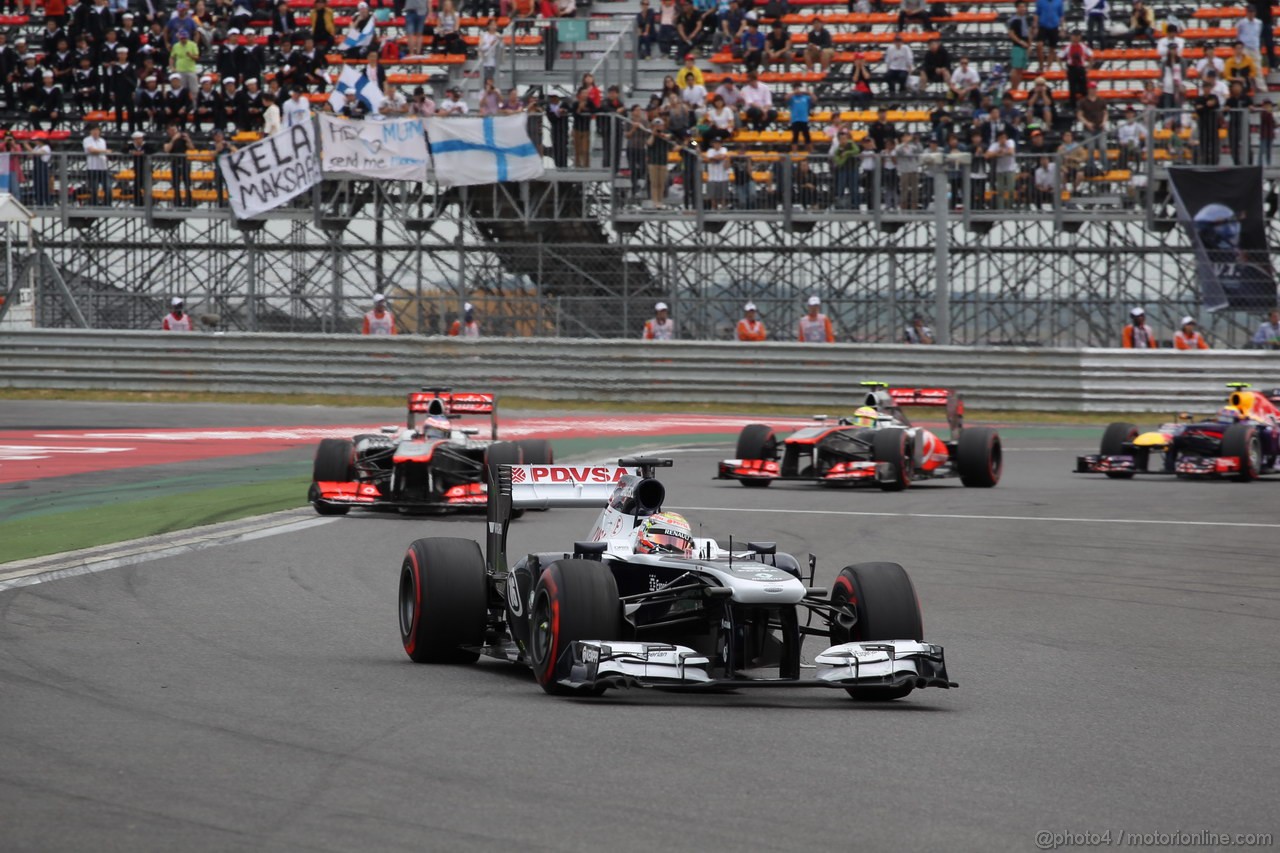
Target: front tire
[757, 441]
[1114, 440]
[536, 451]
[893, 446]
[444, 600]
[1243, 442]
[335, 462]
[883, 605]
[573, 600]
[979, 457]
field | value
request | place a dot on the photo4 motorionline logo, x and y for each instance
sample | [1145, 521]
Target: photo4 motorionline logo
[1046, 840]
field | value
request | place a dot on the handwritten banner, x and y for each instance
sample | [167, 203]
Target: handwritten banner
[393, 149]
[271, 171]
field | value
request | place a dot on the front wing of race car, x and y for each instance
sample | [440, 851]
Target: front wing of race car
[465, 496]
[1189, 465]
[589, 665]
[852, 471]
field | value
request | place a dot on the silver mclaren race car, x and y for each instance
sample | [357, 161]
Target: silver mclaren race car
[641, 602]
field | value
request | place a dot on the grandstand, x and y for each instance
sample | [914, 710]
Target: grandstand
[589, 249]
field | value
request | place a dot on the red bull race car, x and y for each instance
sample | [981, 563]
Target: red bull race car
[877, 444]
[1240, 442]
[430, 465]
[641, 601]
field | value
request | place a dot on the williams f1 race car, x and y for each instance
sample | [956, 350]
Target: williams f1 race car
[877, 444]
[1242, 442]
[428, 466]
[641, 602]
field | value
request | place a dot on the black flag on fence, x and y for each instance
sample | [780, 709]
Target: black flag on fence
[1222, 212]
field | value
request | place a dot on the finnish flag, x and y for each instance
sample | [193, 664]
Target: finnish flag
[359, 38]
[355, 81]
[468, 151]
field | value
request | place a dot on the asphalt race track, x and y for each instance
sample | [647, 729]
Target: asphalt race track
[1115, 643]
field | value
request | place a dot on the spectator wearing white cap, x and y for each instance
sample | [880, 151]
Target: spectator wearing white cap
[1189, 337]
[379, 321]
[750, 328]
[815, 327]
[177, 320]
[661, 327]
[138, 152]
[1138, 335]
[177, 100]
[466, 327]
[208, 105]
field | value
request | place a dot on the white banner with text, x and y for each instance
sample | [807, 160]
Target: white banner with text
[391, 149]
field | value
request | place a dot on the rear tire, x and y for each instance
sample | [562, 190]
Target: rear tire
[757, 441]
[573, 600]
[444, 600]
[979, 458]
[884, 603]
[892, 445]
[1241, 440]
[1113, 444]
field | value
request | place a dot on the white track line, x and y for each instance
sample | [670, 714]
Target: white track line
[40, 570]
[1054, 519]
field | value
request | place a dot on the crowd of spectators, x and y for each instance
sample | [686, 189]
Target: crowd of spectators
[1016, 139]
[213, 70]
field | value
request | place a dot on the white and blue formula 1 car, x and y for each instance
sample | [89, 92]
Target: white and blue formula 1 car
[640, 602]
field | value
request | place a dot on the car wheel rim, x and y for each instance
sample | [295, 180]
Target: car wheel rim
[540, 626]
[1255, 455]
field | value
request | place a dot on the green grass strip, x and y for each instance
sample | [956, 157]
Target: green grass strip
[38, 535]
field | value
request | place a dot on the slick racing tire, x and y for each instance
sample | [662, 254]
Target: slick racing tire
[883, 605]
[536, 451]
[573, 600]
[1113, 442]
[979, 458]
[1242, 440]
[444, 600]
[893, 446]
[335, 462]
[757, 441]
[502, 453]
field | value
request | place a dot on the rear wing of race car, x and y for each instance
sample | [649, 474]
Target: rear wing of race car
[628, 487]
[453, 404]
[946, 398]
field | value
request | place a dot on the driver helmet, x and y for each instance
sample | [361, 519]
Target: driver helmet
[864, 416]
[665, 533]
[1230, 414]
[435, 425]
